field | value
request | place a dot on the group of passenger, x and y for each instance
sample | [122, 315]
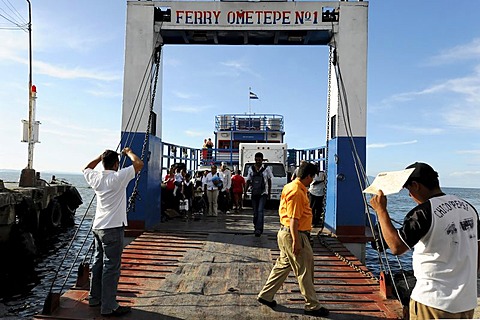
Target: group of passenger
[219, 189]
[442, 229]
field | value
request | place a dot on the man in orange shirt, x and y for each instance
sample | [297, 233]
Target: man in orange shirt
[294, 243]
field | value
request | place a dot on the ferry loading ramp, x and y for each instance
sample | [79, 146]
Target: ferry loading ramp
[214, 268]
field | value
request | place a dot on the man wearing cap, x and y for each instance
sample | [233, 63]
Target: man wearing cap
[443, 232]
[108, 227]
[294, 243]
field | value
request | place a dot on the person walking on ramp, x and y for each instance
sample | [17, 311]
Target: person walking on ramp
[259, 177]
[294, 243]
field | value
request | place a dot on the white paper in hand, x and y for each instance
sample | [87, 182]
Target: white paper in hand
[389, 182]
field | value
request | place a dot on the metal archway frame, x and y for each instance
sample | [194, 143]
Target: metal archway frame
[340, 25]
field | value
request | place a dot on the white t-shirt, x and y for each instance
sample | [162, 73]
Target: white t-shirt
[110, 188]
[227, 179]
[209, 181]
[317, 187]
[444, 234]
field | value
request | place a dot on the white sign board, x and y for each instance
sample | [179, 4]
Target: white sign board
[389, 182]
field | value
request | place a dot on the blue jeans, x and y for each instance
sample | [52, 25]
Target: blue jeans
[106, 268]
[258, 204]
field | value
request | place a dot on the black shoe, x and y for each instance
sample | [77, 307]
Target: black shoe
[120, 311]
[271, 304]
[322, 312]
[257, 233]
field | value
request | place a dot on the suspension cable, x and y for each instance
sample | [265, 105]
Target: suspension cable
[69, 247]
[329, 97]
[358, 165]
[134, 195]
[133, 115]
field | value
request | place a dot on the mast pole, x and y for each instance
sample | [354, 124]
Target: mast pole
[249, 100]
[28, 176]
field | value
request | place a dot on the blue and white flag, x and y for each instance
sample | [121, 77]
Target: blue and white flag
[253, 95]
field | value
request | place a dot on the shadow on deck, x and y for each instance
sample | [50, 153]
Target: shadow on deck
[214, 268]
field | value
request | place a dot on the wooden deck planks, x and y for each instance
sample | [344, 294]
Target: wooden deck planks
[211, 271]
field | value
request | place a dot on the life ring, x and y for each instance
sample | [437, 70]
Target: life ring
[51, 216]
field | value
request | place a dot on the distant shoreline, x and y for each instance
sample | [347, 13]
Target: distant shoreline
[55, 172]
[59, 173]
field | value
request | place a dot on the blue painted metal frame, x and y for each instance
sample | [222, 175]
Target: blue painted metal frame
[345, 203]
[147, 209]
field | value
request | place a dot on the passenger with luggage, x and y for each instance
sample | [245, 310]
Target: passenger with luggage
[259, 178]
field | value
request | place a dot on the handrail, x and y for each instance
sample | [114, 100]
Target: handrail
[248, 122]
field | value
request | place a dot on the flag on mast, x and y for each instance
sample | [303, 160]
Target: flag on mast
[253, 95]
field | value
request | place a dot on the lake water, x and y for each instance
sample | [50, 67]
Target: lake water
[25, 305]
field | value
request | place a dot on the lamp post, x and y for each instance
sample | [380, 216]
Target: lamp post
[27, 176]
[30, 99]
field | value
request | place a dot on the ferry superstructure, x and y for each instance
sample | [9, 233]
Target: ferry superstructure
[233, 129]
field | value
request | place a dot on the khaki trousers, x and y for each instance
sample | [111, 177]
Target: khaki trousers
[212, 196]
[302, 266]
[419, 311]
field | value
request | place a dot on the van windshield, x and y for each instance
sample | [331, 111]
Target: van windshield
[278, 169]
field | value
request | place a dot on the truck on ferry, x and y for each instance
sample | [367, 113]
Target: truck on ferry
[274, 156]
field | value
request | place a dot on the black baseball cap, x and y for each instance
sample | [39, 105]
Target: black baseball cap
[423, 173]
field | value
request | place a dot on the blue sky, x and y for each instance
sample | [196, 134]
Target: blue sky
[423, 86]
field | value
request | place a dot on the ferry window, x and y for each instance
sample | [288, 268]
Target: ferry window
[223, 144]
[153, 124]
[333, 127]
[278, 170]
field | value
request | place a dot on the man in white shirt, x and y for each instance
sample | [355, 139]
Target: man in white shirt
[108, 227]
[210, 188]
[316, 196]
[224, 194]
[443, 232]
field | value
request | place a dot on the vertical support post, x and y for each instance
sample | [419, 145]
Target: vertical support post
[141, 41]
[346, 139]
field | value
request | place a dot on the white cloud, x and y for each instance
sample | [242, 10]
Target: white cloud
[12, 47]
[389, 144]
[184, 95]
[461, 52]
[191, 133]
[418, 130]
[74, 73]
[465, 173]
[474, 152]
[237, 68]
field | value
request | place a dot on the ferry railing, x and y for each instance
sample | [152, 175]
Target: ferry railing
[174, 154]
[249, 122]
[318, 155]
[192, 158]
[228, 155]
